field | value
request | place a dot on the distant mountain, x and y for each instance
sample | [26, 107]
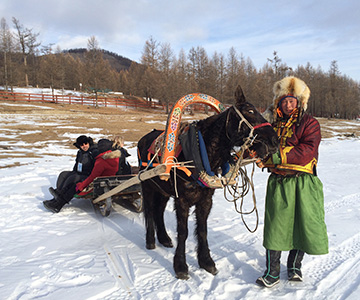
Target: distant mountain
[116, 61]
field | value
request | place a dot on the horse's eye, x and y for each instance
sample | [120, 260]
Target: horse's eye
[251, 111]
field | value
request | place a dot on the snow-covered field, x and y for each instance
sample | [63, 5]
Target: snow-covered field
[78, 254]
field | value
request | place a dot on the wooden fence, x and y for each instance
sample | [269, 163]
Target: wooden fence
[101, 101]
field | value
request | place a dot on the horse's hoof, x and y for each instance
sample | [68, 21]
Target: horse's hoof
[150, 246]
[211, 269]
[167, 244]
[182, 275]
[214, 271]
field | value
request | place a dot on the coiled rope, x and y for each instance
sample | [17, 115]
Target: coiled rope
[238, 191]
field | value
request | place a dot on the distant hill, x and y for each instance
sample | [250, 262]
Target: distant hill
[116, 61]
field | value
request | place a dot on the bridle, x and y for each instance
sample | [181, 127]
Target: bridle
[249, 140]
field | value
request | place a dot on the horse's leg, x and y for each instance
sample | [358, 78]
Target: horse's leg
[148, 201]
[182, 215]
[160, 202]
[202, 212]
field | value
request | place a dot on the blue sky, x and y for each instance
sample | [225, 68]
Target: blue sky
[305, 31]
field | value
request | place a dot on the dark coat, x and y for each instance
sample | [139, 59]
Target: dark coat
[124, 166]
[85, 161]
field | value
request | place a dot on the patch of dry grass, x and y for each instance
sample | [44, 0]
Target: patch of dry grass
[50, 125]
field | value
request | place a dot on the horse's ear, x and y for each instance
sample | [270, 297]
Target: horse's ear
[239, 96]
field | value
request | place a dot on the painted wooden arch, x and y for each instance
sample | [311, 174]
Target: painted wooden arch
[173, 125]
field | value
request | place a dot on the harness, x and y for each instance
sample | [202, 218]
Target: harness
[191, 143]
[200, 164]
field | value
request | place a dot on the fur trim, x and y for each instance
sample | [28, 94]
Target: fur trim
[112, 154]
[291, 86]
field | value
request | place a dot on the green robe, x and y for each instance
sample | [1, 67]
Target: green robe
[294, 214]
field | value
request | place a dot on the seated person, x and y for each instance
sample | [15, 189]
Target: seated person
[124, 166]
[84, 163]
[106, 164]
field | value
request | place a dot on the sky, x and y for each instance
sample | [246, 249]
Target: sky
[301, 32]
[79, 254]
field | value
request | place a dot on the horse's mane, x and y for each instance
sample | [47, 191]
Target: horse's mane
[217, 144]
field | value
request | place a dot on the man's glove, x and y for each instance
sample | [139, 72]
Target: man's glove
[276, 158]
[260, 163]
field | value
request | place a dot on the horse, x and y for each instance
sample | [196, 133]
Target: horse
[221, 133]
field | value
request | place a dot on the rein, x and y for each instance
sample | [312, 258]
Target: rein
[238, 191]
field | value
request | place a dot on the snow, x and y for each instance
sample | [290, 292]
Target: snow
[78, 254]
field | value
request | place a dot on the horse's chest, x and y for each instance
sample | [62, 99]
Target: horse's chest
[193, 195]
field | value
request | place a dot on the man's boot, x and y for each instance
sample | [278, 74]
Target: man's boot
[54, 205]
[294, 265]
[272, 273]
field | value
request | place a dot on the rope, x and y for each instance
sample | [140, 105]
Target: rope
[238, 192]
[149, 164]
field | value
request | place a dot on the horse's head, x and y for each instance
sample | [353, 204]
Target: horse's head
[245, 124]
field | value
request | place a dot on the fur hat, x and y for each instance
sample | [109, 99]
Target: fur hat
[83, 139]
[291, 86]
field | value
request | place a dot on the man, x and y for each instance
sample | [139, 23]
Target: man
[294, 208]
[84, 163]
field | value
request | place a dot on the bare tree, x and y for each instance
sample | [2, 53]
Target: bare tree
[150, 59]
[219, 64]
[28, 44]
[192, 69]
[334, 87]
[6, 45]
[166, 88]
[232, 70]
[180, 73]
[150, 54]
[98, 70]
[203, 70]
[280, 69]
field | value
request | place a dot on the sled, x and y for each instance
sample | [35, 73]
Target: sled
[123, 189]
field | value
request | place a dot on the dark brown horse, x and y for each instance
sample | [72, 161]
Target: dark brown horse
[221, 133]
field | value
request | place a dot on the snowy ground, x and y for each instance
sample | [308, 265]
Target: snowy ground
[78, 254]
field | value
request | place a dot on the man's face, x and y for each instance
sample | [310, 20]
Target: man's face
[288, 104]
[85, 147]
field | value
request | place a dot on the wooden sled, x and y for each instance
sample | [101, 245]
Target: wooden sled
[123, 189]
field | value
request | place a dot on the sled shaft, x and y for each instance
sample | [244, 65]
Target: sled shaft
[141, 177]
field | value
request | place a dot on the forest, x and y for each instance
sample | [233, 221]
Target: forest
[163, 75]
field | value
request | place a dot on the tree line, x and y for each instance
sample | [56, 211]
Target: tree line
[163, 75]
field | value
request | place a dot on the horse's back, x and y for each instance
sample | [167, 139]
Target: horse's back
[146, 141]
